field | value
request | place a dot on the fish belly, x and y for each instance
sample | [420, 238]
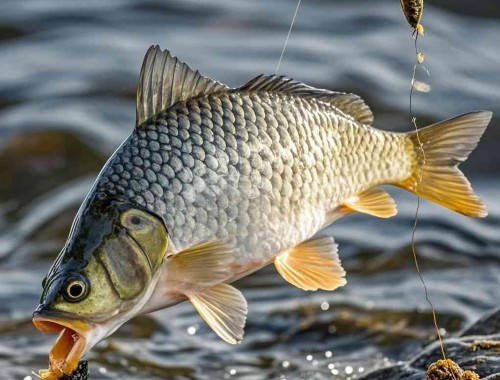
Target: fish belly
[261, 170]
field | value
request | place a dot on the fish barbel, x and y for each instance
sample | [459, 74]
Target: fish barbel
[215, 183]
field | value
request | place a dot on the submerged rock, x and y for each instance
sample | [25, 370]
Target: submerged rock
[475, 354]
[476, 350]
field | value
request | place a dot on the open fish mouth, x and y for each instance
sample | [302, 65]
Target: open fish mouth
[69, 346]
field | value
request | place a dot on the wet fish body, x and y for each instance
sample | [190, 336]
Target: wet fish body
[215, 183]
[261, 168]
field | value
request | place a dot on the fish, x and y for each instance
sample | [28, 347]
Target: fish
[215, 183]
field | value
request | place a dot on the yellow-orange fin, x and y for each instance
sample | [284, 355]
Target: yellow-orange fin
[204, 264]
[224, 309]
[374, 202]
[445, 145]
[311, 265]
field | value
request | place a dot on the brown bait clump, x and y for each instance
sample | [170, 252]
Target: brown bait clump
[449, 370]
[485, 345]
[81, 373]
[413, 10]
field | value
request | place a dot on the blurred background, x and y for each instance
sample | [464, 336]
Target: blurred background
[68, 74]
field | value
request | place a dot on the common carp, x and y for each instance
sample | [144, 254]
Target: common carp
[214, 183]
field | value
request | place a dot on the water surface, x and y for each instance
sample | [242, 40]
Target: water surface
[68, 72]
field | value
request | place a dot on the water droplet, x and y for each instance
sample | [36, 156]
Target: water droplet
[191, 330]
[328, 354]
[325, 306]
[335, 371]
[232, 372]
[331, 366]
[103, 370]
[361, 369]
[28, 378]
[348, 370]
[285, 364]
[309, 358]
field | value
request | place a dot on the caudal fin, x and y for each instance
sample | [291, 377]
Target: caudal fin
[436, 176]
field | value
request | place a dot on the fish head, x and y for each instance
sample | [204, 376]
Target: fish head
[103, 276]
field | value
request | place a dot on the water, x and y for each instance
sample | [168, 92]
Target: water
[68, 72]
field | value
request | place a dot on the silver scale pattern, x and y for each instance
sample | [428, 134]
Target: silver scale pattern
[260, 168]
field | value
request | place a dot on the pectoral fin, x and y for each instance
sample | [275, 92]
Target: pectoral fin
[207, 263]
[374, 202]
[312, 265]
[224, 309]
[191, 271]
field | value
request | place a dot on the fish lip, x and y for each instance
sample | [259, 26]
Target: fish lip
[47, 320]
[71, 344]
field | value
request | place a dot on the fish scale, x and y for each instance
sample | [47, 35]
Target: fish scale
[260, 168]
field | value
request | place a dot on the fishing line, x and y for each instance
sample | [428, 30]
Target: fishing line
[287, 37]
[419, 60]
[419, 57]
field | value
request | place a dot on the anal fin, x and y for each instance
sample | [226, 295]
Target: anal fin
[311, 265]
[374, 202]
[224, 309]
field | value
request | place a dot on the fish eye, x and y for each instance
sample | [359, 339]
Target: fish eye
[75, 289]
[135, 220]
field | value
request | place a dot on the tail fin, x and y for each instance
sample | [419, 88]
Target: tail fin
[436, 176]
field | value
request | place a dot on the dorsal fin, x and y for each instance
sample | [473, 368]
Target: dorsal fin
[350, 104]
[165, 80]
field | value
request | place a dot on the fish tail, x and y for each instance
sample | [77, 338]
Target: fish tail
[438, 150]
